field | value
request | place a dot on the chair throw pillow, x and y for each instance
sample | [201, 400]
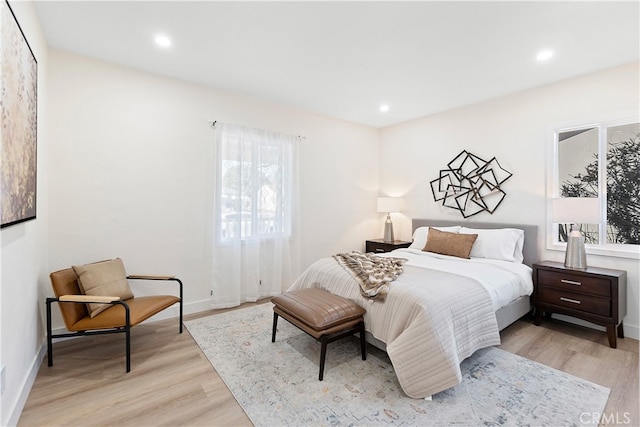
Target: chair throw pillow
[441, 242]
[105, 278]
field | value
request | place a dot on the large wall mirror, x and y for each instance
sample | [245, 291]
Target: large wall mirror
[600, 162]
[578, 174]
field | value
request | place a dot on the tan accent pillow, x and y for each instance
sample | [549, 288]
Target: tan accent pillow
[453, 244]
[105, 278]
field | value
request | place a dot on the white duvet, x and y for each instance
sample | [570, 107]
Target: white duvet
[504, 281]
[438, 312]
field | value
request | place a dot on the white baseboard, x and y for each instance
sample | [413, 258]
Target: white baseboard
[632, 331]
[16, 411]
[187, 308]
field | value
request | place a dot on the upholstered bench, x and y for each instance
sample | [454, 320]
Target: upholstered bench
[324, 316]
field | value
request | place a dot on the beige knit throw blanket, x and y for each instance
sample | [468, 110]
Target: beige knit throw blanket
[373, 273]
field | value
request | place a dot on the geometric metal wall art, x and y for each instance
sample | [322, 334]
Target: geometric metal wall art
[470, 184]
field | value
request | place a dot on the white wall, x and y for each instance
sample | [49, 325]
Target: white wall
[23, 260]
[130, 171]
[516, 130]
[124, 170]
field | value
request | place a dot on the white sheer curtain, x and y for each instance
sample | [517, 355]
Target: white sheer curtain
[255, 247]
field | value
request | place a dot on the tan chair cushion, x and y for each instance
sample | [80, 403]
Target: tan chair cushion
[318, 309]
[140, 309]
[105, 278]
[454, 244]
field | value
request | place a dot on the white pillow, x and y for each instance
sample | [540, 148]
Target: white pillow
[518, 256]
[420, 235]
[501, 243]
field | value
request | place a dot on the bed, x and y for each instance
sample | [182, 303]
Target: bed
[442, 308]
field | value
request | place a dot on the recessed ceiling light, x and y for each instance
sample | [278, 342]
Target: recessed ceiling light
[544, 55]
[384, 108]
[162, 40]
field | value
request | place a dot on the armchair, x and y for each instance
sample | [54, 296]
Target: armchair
[91, 305]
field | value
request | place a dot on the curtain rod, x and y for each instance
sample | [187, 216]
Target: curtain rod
[212, 123]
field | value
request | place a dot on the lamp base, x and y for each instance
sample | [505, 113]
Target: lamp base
[388, 230]
[576, 257]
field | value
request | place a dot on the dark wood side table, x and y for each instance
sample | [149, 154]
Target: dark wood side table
[380, 246]
[598, 295]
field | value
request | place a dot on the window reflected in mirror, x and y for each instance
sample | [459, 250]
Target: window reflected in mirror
[578, 174]
[623, 184]
[601, 161]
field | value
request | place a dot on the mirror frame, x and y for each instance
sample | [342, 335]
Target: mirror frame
[553, 185]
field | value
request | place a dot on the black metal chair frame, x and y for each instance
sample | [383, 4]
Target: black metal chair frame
[126, 329]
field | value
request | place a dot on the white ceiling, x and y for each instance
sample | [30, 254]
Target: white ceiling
[344, 59]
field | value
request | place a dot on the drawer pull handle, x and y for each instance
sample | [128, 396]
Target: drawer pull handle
[575, 301]
[379, 250]
[571, 282]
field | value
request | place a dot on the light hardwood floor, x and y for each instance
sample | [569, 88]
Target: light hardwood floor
[173, 384]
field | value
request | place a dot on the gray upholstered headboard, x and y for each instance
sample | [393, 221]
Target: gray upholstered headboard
[529, 251]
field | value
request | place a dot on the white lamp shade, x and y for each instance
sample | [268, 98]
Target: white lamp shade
[575, 210]
[389, 204]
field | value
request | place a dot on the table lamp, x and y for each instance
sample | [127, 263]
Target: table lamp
[388, 205]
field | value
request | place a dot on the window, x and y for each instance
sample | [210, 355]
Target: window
[255, 253]
[601, 161]
[254, 183]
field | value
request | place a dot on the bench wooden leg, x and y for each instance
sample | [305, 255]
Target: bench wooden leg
[323, 354]
[363, 342]
[275, 327]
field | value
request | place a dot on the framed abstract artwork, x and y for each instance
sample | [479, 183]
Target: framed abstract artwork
[18, 122]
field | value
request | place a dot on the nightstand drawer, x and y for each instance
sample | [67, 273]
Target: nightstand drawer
[575, 301]
[379, 246]
[575, 283]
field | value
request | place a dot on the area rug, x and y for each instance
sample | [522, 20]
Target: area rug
[277, 383]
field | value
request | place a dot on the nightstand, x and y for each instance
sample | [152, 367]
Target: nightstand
[598, 295]
[380, 246]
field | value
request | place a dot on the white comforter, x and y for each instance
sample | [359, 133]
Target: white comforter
[505, 281]
[436, 314]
